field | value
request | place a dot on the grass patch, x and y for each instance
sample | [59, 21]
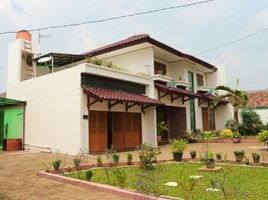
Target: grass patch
[241, 182]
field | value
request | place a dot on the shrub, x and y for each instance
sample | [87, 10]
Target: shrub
[148, 155]
[236, 135]
[227, 133]
[251, 122]
[218, 155]
[193, 136]
[120, 176]
[263, 137]
[178, 145]
[129, 158]
[56, 164]
[99, 161]
[77, 163]
[193, 154]
[116, 158]
[256, 157]
[230, 124]
[88, 175]
[148, 181]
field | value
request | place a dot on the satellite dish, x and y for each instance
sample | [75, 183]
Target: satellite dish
[44, 60]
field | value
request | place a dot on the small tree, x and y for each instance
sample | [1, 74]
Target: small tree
[237, 98]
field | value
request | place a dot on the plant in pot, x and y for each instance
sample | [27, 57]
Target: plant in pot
[236, 137]
[161, 128]
[218, 156]
[210, 160]
[177, 147]
[193, 154]
[116, 158]
[56, 164]
[256, 157]
[239, 155]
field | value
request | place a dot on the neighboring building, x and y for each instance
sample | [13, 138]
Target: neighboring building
[73, 104]
[258, 101]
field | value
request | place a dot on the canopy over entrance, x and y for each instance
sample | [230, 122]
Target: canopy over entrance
[5, 102]
[115, 97]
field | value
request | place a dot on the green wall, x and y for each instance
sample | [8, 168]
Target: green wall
[1, 128]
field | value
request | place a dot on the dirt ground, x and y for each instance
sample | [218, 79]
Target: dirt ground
[18, 178]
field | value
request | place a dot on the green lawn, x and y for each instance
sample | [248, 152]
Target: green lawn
[239, 180]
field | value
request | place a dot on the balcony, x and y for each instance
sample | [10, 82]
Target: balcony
[162, 78]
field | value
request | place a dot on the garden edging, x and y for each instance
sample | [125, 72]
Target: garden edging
[98, 187]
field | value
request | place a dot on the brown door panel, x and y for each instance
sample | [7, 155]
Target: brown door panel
[97, 131]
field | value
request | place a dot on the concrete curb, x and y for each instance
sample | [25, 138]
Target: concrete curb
[98, 187]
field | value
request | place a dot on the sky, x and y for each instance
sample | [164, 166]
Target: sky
[191, 30]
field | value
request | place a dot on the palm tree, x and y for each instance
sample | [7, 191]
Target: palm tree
[237, 98]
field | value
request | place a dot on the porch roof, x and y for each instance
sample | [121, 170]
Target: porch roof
[114, 95]
[176, 91]
[4, 102]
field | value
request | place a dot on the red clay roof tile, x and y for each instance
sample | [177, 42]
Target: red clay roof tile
[106, 94]
[258, 98]
[142, 38]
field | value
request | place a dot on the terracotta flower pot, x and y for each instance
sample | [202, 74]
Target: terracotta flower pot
[236, 140]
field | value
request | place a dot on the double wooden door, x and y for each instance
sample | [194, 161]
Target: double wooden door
[126, 130]
[121, 130]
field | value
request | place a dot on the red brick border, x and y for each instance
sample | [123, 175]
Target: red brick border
[98, 187]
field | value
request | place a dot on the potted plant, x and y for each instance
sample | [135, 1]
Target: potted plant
[239, 155]
[56, 164]
[161, 128]
[210, 160]
[218, 155]
[116, 158]
[193, 154]
[129, 158]
[236, 137]
[256, 157]
[177, 147]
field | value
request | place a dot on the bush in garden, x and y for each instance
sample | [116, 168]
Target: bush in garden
[230, 124]
[77, 163]
[227, 133]
[148, 181]
[88, 175]
[129, 158]
[263, 137]
[148, 155]
[251, 122]
[120, 176]
[99, 161]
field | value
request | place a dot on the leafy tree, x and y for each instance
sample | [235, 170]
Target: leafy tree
[251, 122]
[237, 98]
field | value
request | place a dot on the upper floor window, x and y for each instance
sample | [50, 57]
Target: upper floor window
[160, 68]
[200, 80]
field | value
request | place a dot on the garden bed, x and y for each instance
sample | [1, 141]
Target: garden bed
[250, 181]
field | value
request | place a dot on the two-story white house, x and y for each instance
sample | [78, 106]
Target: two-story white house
[113, 95]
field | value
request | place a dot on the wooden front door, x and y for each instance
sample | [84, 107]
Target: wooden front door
[208, 119]
[132, 130]
[118, 131]
[126, 130]
[97, 131]
[176, 118]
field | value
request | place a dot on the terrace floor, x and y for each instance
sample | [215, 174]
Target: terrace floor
[19, 181]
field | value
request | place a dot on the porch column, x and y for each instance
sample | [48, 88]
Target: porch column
[149, 127]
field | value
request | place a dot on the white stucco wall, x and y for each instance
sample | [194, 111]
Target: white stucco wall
[135, 61]
[263, 113]
[53, 116]
[223, 113]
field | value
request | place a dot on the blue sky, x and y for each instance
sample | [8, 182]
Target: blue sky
[192, 30]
